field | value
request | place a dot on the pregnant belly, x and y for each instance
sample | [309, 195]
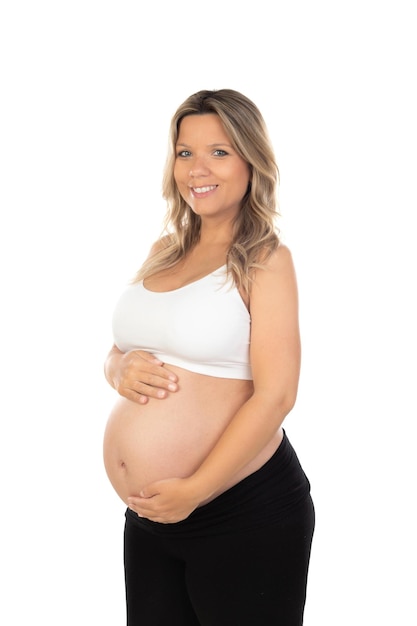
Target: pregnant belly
[167, 438]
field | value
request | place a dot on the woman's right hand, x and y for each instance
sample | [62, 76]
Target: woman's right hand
[138, 375]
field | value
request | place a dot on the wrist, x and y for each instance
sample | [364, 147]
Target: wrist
[198, 488]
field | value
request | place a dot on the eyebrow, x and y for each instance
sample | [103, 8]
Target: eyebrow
[210, 145]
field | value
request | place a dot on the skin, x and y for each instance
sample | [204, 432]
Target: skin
[205, 159]
[138, 375]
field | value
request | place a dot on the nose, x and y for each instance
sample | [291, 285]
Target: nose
[198, 167]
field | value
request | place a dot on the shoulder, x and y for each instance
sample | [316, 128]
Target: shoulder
[277, 264]
[160, 244]
[280, 258]
[275, 281]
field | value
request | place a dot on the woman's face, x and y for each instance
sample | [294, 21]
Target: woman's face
[210, 176]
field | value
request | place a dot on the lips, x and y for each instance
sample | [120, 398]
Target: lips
[203, 189]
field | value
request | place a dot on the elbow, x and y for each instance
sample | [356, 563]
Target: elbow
[278, 405]
[286, 405]
[286, 402]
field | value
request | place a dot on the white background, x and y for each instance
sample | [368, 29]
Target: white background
[87, 92]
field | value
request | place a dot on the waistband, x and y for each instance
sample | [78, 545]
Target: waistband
[263, 498]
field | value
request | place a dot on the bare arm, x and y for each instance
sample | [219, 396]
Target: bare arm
[138, 375]
[275, 359]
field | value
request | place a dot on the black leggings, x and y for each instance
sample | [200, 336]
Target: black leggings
[240, 560]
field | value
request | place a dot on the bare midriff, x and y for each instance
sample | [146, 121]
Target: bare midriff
[171, 437]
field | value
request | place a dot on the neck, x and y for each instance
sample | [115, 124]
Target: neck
[218, 234]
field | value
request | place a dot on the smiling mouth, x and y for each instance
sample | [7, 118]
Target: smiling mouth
[203, 189]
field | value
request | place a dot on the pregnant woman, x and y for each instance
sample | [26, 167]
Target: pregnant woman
[206, 359]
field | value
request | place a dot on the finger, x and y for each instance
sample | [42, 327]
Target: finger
[158, 368]
[140, 393]
[133, 395]
[155, 388]
[142, 399]
[160, 372]
[142, 501]
[148, 356]
[161, 383]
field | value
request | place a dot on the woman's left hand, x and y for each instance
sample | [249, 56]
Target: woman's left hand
[165, 501]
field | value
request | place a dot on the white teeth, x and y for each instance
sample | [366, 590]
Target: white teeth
[204, 189]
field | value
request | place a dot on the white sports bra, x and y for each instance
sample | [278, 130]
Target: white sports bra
[203, 327]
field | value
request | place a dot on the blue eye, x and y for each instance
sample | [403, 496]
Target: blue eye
[183, 153]
[220, 153]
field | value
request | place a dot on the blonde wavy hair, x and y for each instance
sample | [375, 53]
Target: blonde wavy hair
[255, 234]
